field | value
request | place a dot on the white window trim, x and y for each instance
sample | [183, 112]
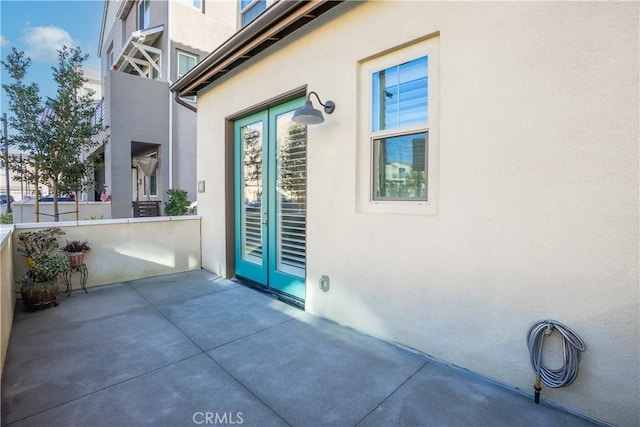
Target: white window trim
[191, 98]
[249, 6]
[190, 4]
[141, 13]
[365, 155]
[183, 53]
[144, 187]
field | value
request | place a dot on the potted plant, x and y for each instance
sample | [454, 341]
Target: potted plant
[75, 250]
[39, 285]
[41, 241]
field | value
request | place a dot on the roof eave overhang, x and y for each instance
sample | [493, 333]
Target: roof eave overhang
[123, 7]
[102, 27]
[273, 25]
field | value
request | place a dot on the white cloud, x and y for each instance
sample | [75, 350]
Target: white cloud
[4, 42]
[42, 43]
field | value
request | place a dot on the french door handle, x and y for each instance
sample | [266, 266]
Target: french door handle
[265, 221]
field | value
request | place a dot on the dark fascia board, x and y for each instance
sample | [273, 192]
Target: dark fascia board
[275, 23]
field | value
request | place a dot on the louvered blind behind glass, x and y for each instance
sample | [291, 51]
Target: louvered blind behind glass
[291, 195]
[400, 95]
[251, 233]
[185, 63]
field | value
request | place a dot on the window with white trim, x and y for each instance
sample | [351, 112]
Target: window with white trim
[399, 131]
[153, 180]
[144, 14]
[185, 63]
[397, 156]
[250, 10]
[110, 56]
[196, 4]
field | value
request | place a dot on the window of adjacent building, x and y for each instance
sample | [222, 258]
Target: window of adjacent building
[400, 101]
[250, 9]
[144, 14]
[185, 63]
[397, 156]
[197, 4]
[153, 181]
[110, 56]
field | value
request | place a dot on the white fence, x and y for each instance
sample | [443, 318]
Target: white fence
[24, 212]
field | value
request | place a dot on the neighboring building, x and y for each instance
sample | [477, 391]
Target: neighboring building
[522, 121]
[93, 85]
[144, 46]
[93, 88]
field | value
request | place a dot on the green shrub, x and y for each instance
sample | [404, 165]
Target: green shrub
[178, 203]
[6, 218]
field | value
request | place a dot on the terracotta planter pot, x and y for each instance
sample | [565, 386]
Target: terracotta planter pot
[76, 259]
[40, 295]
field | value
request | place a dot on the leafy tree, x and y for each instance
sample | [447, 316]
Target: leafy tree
[178, 203]
[54, 133]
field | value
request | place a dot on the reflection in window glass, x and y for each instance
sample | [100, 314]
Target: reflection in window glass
[400, 95]
[400, 167]
[144, 14]
[251, 9]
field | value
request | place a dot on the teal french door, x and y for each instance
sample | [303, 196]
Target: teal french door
[270, 154]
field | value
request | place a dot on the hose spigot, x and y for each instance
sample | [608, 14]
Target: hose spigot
[537, 387]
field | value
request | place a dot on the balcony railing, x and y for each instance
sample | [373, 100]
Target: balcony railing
[98, 115]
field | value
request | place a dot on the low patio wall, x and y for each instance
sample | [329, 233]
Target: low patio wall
[24, 212]
[7, 296]
[121, 250]
[129, 248]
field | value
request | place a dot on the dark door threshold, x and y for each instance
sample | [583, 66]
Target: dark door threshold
[273, 293]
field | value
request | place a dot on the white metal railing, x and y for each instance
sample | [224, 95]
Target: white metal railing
[98, 114]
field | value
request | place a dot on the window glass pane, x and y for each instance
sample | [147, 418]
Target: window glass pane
[144, 14]
[291, 193]
[153, 184]
[185, 63]
[400, 167]
[249, 13]
[400, 95]
[251, 234]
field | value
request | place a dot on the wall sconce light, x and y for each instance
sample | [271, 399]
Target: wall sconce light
[308, 115]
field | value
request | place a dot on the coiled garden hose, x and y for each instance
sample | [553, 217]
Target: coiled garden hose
[572, 345]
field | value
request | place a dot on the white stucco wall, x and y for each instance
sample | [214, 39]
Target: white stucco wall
[537, 212]
[7, 295]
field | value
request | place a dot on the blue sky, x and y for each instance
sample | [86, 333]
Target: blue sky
[41, 27]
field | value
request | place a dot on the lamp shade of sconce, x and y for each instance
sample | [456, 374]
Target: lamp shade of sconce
[308, 115]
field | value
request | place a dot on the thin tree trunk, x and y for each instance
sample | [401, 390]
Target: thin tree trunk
[37, 196]
[56, 211]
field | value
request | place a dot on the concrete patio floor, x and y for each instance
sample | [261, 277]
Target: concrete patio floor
[196, 349]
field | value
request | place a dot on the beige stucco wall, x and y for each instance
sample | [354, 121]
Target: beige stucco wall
[129, 249]
[7, 296]
[537, 214]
